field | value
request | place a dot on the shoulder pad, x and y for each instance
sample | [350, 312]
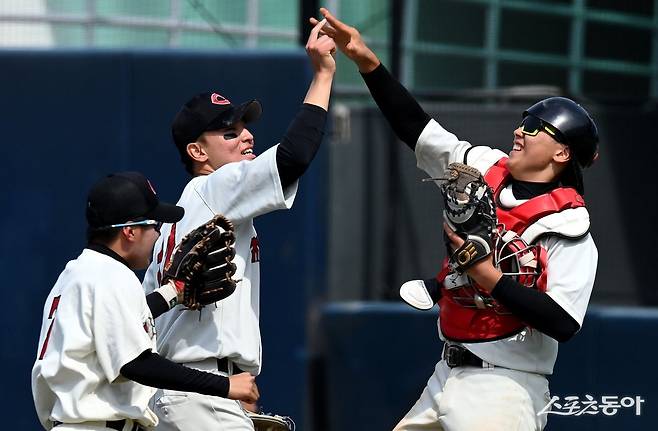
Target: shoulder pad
[570, 223]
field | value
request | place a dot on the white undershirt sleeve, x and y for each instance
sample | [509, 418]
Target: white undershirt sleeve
[571, 270]
[437, 148]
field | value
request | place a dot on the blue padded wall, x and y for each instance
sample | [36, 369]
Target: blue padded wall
[378, 358]
[69, 117]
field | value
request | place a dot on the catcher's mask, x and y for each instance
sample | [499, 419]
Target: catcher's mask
[515, 258]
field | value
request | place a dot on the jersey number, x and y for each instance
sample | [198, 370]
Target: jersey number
[51, 315]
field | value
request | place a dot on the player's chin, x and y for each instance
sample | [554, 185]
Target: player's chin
[512, 162]
[515, 158]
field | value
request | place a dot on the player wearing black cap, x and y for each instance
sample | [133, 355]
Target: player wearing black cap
[97, 343]
[502, 340]
[213, 138]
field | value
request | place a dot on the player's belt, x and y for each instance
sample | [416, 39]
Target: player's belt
[115, 425]
[458, 356]
[223, 366]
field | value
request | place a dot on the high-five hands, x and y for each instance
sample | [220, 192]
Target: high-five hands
[349, 41]
[320, 49]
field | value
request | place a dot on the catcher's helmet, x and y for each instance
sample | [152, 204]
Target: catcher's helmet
[574, 124]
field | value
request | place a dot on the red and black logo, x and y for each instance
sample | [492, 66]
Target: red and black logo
[218, 99]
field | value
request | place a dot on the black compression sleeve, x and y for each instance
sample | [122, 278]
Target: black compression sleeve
[153, 370]
[300, 143]
[401, 110]
[157, 304]
[536, 309]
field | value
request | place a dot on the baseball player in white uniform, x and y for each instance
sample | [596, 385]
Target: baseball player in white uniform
[218, 150]
[97, 344]
[492, 374]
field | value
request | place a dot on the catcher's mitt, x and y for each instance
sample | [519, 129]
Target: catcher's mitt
[470, 211]
[271, 422]
[202, 262]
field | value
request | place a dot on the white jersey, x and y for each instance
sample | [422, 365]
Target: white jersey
[571, 263]
[95, 320]
[230, 328]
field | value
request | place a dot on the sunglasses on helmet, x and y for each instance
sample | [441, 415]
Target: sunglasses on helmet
[532, 125]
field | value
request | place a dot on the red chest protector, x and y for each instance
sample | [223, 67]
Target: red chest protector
[469, 314]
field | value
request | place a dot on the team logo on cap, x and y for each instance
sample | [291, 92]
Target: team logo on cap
[218, 99]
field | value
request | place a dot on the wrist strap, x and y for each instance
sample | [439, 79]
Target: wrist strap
[169, 292]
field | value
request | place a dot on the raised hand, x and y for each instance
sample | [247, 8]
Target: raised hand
[321, 49]
[349, 41]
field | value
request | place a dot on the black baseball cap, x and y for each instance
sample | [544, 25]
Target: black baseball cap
[209, 111]
[127, 196]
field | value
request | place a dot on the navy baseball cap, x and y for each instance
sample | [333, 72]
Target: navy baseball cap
[210, 111]
[127, 196]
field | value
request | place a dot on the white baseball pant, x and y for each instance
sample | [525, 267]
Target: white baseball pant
[475, 399]
[188, 411]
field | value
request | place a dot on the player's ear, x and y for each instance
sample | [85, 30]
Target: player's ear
[197, 152]
[562, 154]
[128, 232]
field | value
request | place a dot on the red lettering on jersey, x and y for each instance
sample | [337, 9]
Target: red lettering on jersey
[149, 327]
[218, 99]
[158, 258]
[53, 308]
[255, 250]
[171, 241]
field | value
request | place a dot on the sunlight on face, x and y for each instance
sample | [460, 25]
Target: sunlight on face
[232, 144]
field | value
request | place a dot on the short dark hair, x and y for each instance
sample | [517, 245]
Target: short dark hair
[572, 176]
[187, 160]
[102, 236]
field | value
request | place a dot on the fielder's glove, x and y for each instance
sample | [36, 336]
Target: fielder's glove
[201, 264]
[271, 422]
[470, 211]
